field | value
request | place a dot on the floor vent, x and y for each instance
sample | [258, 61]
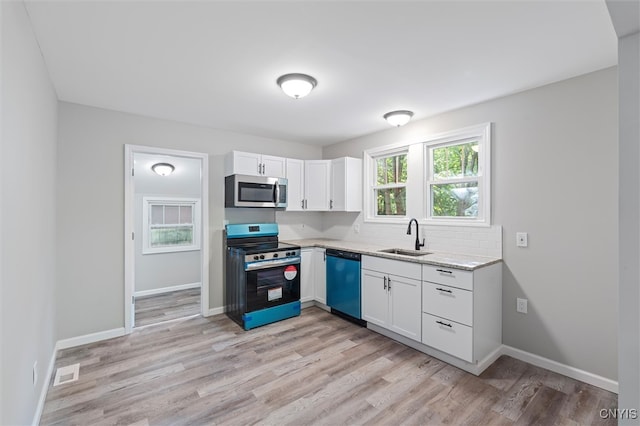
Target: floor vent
[67, 374]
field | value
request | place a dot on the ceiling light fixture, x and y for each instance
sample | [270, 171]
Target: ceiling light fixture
[398, 118]
[163, 169]
[297, 85]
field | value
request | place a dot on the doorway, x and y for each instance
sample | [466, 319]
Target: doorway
[166, 238]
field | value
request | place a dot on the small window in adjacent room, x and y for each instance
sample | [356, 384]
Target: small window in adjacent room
[170, 225]
[389, 187]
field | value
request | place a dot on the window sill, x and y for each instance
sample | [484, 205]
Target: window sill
[165, 250]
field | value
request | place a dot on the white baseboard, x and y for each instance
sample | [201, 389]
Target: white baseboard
[44, 388]
[565, 370]
[90, 338]
[483, 364]
[166, 289]
[215, 311]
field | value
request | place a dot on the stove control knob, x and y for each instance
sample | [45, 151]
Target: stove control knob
[262, 256]
[288, 253]
[255, 258]
[275, 254]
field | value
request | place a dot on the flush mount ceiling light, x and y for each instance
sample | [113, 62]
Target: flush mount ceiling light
[398, 118]
[163, 169]
[296, 85]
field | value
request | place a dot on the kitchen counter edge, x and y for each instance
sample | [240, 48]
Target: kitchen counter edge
[465, 262]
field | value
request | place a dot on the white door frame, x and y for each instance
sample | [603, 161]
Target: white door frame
[129, 215]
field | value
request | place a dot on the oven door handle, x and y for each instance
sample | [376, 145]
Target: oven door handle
[254, 266]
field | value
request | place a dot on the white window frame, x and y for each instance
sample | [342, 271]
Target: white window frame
[482, 134]
[370, 165]
[147, 202]
[419, 176]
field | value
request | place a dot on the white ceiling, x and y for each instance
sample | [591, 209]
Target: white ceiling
[215, 63]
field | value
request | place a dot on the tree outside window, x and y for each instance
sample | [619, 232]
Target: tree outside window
[454, 183]
[390, 187]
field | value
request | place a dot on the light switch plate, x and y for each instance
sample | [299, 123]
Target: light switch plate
[522, 239]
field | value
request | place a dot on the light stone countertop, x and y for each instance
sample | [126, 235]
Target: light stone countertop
[452, 260]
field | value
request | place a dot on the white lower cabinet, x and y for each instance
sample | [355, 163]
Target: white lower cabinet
[375, 297]
[307, 277]
[313, 282]
[320, 275]
[462, 310]
[391, 295]
[448, 336]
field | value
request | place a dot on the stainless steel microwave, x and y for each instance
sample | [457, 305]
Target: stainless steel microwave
[255, 191]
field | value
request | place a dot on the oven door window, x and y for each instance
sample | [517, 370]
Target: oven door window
[272, 287]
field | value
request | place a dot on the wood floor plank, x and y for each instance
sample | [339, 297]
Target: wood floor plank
[312, 369]
[166, 306]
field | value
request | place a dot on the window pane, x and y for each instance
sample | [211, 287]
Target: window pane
[157, 215]
[186, 214]
[455, 200]
[391, 201]
[171, 214]
[391, 169]
[455, 161]
[172, 236]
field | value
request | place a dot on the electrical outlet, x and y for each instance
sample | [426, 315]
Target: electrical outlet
[356, 228]
[35, 373]
[521, 305]
[522, 239]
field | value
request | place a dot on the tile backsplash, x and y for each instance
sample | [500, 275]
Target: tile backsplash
[483, 241]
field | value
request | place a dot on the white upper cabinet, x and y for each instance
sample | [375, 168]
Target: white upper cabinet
[295, 181]
[317, 184]
[313, 185]
[249, 163]
[274, 166]
[346, 185]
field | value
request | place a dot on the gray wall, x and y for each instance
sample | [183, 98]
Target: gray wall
[160, 270]
[554, 165]
[28, 176]
[90, 296]
[629, 69]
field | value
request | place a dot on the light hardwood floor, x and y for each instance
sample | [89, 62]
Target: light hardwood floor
[313, 369]
[167, 306]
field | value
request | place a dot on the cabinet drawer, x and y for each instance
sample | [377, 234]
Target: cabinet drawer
[448, 276]
[448, 302]
[393, 267]
[448, 336]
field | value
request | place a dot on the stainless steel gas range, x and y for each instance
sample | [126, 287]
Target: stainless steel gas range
[262, 275]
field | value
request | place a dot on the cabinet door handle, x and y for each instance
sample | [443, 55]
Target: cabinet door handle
[389, 283]
[385, 282]
[444, 323]
[330, 204]
[259, 168]
[444, 289]
[444, 271]
[302, 204]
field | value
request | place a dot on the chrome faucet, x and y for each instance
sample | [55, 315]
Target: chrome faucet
[418, 245]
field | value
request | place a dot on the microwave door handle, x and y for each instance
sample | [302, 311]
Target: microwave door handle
[276, 193]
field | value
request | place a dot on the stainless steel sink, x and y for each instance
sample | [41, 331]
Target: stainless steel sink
[404, 252]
